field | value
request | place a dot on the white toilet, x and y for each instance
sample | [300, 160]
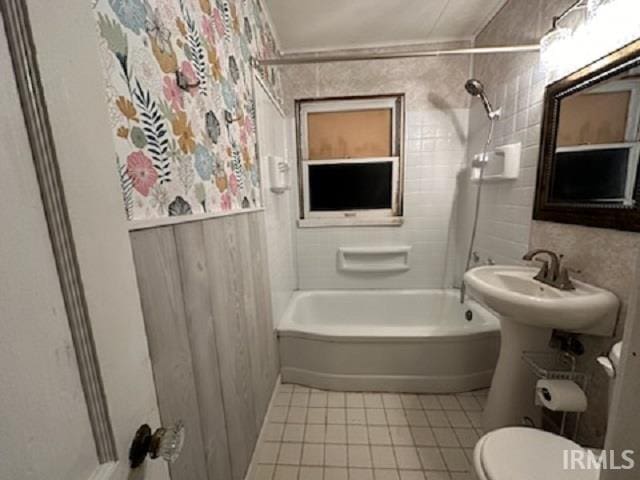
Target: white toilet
[522, 453]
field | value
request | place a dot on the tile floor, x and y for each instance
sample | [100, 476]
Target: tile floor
[318, 435]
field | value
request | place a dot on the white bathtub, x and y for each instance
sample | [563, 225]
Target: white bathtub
[388, 340]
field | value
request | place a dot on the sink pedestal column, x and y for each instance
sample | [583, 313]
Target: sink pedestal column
[511, 397]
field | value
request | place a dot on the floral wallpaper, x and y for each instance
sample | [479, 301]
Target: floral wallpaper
[181, 104]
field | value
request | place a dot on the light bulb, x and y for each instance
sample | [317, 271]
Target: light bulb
[610, 25]
[553, 47]
[593, 8]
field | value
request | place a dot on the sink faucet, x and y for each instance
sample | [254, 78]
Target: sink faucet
[552, 274]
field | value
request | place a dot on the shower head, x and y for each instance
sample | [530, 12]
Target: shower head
[475, 88]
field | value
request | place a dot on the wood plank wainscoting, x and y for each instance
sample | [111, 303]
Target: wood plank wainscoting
[205, 296]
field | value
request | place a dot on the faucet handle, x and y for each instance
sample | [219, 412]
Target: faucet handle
[564, 282]
[543, 274]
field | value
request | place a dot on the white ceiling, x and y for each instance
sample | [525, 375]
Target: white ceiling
[317, 25]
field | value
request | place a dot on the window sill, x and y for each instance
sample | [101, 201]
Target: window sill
[350, 222]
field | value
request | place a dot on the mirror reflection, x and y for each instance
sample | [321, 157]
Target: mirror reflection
[598, 144]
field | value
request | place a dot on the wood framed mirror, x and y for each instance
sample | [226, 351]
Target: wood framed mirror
[588, 172]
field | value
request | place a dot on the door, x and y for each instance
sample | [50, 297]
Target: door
[46, 430]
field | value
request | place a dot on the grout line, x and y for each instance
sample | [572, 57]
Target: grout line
[479, 396]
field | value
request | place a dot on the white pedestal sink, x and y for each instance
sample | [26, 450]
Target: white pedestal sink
[529, 311]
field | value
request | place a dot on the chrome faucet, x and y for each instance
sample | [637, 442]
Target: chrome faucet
[551, 273]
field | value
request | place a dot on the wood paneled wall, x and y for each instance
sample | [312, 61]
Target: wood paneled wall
[205, 296]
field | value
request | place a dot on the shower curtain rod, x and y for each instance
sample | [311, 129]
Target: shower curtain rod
[323, 58]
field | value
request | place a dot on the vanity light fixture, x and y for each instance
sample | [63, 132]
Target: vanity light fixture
[553, 45]
[593, 7]
[609, 25]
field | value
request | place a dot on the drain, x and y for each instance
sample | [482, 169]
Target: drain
[468, 315]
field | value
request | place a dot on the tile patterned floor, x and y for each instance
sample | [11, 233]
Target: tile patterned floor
[318, 435]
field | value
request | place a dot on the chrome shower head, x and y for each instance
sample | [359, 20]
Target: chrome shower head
[475, 88]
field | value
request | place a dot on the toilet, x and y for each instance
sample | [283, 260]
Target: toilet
[523, 453]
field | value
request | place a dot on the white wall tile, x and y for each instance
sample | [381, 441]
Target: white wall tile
[435, 155]
[279, 208]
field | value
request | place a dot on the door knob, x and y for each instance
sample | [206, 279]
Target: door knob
[166, 443]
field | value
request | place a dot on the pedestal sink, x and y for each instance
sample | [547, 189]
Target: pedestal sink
[529, 311]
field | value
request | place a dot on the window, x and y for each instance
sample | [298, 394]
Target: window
[351, 160]
[598, 145]
[596, 174]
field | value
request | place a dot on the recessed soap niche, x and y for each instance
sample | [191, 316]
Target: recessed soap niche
[374, 259]
[501, 164]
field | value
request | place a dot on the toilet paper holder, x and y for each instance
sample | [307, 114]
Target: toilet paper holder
[557, 365]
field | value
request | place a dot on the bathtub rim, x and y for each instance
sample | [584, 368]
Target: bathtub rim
[287, 327]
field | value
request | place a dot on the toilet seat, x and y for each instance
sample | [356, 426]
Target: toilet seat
[520, 453]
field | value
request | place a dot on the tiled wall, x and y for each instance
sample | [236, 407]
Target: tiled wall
[514, 83]
[436, 131]
[279, 207]
[505, 232]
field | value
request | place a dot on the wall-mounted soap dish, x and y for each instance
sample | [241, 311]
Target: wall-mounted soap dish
[279, 174]
[374, 259]
[503, 163]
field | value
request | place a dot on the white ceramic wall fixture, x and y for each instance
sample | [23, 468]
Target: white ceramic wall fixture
[387, 340]
[529, 311]
[512, 291]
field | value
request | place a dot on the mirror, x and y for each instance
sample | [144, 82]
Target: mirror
[588, 172]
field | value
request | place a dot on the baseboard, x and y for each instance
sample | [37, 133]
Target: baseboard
[387, 383]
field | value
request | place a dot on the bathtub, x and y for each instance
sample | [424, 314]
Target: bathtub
[388, 340]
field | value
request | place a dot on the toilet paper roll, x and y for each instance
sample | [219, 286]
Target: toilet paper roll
[561, 395]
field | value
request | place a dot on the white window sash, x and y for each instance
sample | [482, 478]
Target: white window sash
[633, 154]
[391, 102]
[356, 214]
[346, 106]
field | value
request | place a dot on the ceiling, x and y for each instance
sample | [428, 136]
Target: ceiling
[319, 25]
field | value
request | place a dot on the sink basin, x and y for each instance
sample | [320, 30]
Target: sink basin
[529, 311]
[512, 292]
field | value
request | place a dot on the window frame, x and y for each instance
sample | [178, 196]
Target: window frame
[366, 214]
[392, 216]
[633, 158]
[632, 135]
